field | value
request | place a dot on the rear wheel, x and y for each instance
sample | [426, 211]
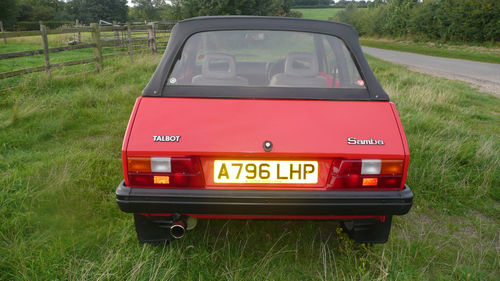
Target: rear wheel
[368, 231]
[152, 230]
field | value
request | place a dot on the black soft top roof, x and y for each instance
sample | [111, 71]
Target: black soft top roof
[157, 86]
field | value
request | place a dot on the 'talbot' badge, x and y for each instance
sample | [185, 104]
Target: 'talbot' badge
[166, 138]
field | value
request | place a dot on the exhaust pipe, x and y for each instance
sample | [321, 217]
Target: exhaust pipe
[178, 229]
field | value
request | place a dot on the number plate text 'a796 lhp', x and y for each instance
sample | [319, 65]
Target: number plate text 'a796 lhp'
[254, 171]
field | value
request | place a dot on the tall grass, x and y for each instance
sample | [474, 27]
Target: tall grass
[60, 142]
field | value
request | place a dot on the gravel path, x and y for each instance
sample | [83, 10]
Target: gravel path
[486, 76]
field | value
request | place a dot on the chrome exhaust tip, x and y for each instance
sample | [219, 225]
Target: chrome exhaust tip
[177, 230]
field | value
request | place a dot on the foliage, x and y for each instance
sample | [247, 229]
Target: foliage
[88, 11]
[149, 10]
[192, 8]
[9, 11]
[34, 25]
[311, 3]
[12, 11]
[359, 4]
[36, 10]
[441, 20]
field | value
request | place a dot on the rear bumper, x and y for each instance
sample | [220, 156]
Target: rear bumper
[264, 202]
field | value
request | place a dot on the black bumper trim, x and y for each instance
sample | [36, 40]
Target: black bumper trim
[264, 202]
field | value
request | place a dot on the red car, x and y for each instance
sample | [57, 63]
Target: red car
[264, 118]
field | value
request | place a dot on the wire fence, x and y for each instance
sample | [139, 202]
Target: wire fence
[107, 40]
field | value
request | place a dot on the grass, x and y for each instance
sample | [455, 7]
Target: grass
[485, 53]
[60, 163]
[35, 43]
[318, 14]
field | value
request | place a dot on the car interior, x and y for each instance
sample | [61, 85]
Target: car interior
[300, 70]
[219, 69]
[327, 66]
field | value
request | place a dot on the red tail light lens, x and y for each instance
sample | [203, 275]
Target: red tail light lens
[366, 173]
[165, 172]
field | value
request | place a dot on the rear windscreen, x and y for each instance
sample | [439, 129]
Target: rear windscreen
[263, 58]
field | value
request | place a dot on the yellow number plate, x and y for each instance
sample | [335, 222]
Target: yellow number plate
[255, 171]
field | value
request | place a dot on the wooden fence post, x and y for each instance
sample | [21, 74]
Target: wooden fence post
[79, 33]
[45, 42]
[117, 35]
[3, 32]
[152, 37]
[96, 38]
[129, 33]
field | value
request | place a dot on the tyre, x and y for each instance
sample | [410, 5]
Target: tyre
[369, 230]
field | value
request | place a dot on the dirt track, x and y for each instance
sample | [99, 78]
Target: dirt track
[485, 76]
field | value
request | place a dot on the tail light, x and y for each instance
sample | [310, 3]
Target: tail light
[164, 172]
[366, 173]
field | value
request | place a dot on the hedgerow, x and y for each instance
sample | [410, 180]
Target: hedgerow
[436, 20]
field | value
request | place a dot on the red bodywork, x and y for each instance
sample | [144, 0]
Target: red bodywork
[236, 128]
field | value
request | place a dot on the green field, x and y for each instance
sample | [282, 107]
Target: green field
[60, 163]
[319, 14]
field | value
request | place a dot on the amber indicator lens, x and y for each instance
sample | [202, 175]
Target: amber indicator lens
[139, 165]
[392, 167]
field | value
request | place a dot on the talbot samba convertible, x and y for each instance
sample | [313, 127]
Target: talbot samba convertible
[264, 118]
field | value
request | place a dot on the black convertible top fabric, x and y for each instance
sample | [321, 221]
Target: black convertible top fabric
[157, 86]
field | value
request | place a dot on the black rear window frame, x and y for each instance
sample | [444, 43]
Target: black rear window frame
[252, 92]
[345, 33]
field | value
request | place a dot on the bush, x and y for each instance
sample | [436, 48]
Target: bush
[35, 25]
[442, 20]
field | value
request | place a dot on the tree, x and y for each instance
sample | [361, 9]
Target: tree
[36, 10]
[149, 10]
[192, 8]
[311, 3]
[442, 20]
[8, 12]
[88, 11]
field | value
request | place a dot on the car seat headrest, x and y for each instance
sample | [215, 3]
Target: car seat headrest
[301, 64]
[218, 66]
